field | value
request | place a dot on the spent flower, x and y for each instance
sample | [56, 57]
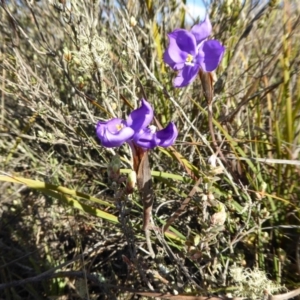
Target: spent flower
[190, 51]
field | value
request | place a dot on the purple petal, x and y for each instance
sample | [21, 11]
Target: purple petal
[113, 133]
[167, 136]
[186, 75]
[145, 139]
[113, 125]
[168, 60]
[202, 31]
[140, 117]
[181, 44]
[211, 53]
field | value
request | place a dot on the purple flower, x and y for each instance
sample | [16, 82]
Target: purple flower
[190, 51]
[115, 132]
[148, 138]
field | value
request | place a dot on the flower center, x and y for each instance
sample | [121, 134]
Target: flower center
[119, 126]
[189, 60]
[152, 128]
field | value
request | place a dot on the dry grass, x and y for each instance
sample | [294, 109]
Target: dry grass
[67, 64]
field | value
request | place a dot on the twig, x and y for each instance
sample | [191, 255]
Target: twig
[285, 296]
[50, 273]
[219, 85]
[206, 81]
[16, 26]
[181, 209]
[144, 183]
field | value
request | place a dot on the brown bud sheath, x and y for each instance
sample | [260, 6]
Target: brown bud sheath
[207, 85]
[144, 184]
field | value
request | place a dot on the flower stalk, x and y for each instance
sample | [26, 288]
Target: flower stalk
[137, 132]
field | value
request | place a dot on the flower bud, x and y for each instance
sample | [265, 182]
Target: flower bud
[113, 169]
[212, 160]
[131, 182]
[67, 55]
[133, 21]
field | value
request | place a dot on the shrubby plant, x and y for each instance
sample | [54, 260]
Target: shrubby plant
[125, 175]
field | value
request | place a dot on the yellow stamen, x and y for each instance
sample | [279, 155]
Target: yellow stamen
[119, 126]
[189, 58]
